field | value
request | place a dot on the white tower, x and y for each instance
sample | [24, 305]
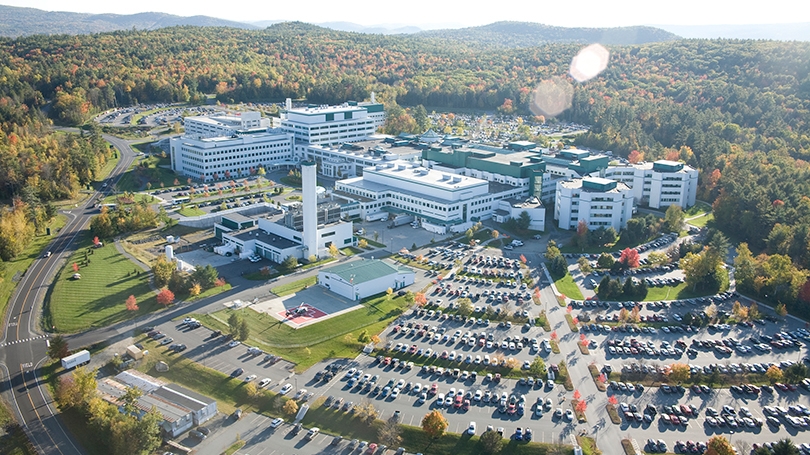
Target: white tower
[288, 104]
[373, 98]
[169, 253]
[308, 183]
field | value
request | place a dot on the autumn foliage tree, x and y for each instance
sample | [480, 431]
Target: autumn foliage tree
[434, 424]
[165, 297]
[629, 258]
[132, 303]
[420, 299]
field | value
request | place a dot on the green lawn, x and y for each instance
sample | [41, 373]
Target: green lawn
[679, 291]
[191, 211]
[702, 221]
[415, 440]
[98, 298]
[135, 179]
[334, 337]
[21, 263]
[698, 209]
[568, 287]
[350, 251]
[137, 197]
[295, 286]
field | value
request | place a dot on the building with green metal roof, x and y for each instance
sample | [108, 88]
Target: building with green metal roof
[364, 278]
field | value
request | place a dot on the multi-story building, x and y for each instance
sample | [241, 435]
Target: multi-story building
[599, 202]
[440, 201]
[333, 125]
[224, 125]
[658, 184]
[224, 157]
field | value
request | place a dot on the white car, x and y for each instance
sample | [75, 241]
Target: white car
[471, 428]
[233, 344]
[250, 378]
[286, 389]
[264, 382]
[276, 422]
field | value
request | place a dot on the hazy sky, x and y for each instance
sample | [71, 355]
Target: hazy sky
[585, 13]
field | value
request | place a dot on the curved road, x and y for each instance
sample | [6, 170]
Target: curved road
[23, 348]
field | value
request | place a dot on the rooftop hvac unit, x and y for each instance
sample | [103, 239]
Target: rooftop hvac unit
[456, 179]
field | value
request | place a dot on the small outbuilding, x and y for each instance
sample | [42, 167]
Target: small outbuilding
[360, 279]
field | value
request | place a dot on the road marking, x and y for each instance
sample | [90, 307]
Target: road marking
[24, 340]
[34, 408]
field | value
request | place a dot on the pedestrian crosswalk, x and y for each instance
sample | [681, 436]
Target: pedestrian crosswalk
[2, 345]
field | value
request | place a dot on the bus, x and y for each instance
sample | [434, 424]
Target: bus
[180, 200]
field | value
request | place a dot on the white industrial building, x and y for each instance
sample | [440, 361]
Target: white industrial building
[599, 202]
[360, 279]
[301, 231]
[224, 125]
[441, 202]
[180, 408]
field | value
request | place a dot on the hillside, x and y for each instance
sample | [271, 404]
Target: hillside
[16, 22]
[527, 34]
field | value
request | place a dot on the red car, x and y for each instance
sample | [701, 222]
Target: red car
[387, 361]
[434, 388]
[458, 402]
[497, 377]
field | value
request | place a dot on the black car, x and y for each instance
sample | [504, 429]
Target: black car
[296, 429]
[237, 372]
[204, 430]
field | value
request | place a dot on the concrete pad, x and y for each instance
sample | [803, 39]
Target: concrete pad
[201, 258]
[321, 304]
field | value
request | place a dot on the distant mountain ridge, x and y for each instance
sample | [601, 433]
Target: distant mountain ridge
[527, 34]
[15, 21]
[784, 32]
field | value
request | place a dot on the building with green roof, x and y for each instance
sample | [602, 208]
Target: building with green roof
[360, 279]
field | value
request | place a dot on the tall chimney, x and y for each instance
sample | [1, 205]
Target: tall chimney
[288, 104]
[308, 183]
[373, 98]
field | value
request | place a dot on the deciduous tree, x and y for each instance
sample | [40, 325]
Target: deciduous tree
[165, 297]
[290, 408]
[491, 442]
[434, 424]
[678, 372]
[132, 303]
[58, 347]
[719, 445]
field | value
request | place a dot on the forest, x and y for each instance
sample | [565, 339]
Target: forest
[738, 110]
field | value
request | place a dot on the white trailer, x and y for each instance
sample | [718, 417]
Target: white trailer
[77, 359]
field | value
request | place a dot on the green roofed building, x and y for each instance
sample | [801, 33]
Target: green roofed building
[360, 279]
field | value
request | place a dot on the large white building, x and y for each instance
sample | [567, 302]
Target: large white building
[440, 201]
[349, 122]
[599, 202]
[301, 231]
[224, 125]
[360, 279]
[225, 157]
[658, 184]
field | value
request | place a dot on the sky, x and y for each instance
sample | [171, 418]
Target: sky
[456, 13]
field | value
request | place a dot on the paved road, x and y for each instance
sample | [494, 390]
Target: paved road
[23, 348]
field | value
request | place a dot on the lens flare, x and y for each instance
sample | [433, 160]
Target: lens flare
[589, 62]
[552, 97]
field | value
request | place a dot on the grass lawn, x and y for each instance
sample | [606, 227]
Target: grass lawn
[350, 251]
[415, 440]
[570, 320]
[136, 178]
[702, 221]
[137, 197]
[14, 440]
[234, 447]
[98, 298]
[332, 338]
[373, 242]
[295, 286]
[698, 209]
[208, 293]
[21, 263]
[191, 211]
[568, 287]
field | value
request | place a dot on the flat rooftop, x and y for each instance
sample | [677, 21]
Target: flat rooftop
[429, 177]
[254, 233]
